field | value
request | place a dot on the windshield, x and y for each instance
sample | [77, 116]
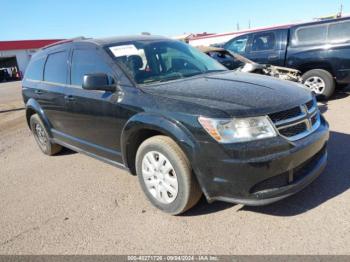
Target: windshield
[160, 61]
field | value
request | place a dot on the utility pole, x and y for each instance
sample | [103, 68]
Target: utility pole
[341, 10]
[237, 26]
[249, 24]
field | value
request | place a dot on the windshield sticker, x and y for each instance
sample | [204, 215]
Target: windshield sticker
[123, 50]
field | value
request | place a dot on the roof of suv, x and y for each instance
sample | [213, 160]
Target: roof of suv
[120, 39]
[108, 40]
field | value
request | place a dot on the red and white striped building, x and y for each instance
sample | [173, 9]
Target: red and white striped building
[18, 53]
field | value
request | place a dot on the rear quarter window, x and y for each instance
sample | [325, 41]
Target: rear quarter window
[35, 69]
[334, 32]
[56, 68]
[310, 35]
[339, 32]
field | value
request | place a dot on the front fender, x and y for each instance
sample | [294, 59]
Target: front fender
[32, 106]
[161, 124]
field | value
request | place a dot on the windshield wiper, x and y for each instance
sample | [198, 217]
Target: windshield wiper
[170, 78]
[194, 74]
[217, 70]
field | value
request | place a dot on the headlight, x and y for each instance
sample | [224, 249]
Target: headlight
[238, 129]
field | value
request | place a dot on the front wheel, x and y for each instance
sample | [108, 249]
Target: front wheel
[165, 175]
[321, 82]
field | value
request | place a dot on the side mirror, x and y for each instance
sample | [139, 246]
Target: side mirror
[98, 81]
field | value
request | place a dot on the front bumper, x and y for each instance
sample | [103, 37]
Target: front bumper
[261, 172]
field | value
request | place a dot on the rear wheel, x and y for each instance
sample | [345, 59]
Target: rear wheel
[321, 82]
[165, 175]
[41, 136]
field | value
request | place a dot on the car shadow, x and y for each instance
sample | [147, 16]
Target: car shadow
[64, 152]
[334, 181]
[339, 94]
[204, 208]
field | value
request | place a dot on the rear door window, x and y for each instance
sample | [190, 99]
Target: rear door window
[56, 68]
[35, 69]
[87, 61]
[263, 42]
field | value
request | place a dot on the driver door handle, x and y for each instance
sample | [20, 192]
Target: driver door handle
[69, 98]
[272, 57]
[38, 92]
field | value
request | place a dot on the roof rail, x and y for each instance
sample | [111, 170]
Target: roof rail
[65, 41]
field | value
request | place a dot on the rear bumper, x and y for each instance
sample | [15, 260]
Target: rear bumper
[262, 172]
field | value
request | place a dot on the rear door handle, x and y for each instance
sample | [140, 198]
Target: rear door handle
[69, 98]
[272, 57]
[39, 92]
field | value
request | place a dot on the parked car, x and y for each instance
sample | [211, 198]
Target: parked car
[176, 118]
[320, 50]
[4, 76]
[238, 62]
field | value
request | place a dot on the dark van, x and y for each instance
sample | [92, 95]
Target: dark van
[176, 118]
[320, 50]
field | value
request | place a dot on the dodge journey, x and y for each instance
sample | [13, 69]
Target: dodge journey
[176, 119]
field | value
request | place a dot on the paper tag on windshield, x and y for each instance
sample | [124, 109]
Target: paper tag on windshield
[123, 50]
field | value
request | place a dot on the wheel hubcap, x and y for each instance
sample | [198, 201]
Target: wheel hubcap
[160, 177]
[316, 84]
[40, 132]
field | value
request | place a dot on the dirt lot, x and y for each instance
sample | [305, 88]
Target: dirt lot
[73, 204]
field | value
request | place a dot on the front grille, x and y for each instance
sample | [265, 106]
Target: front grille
[310, 104]
[283, 115]
[271, 183]
[293, 130]
[287, 178]
[297, 122]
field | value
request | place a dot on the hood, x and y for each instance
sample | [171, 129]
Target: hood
[237, 94]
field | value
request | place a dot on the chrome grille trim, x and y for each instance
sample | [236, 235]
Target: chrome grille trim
[306, 116]
[313, 108]
[292, 124]
[306, 133]
[289, 120]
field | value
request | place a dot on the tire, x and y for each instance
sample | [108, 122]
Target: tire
[41, 136]
[320, 81]
[170, 155]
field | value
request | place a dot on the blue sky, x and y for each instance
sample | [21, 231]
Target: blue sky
[39, 19]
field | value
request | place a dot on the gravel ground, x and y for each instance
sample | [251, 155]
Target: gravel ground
[73, 204]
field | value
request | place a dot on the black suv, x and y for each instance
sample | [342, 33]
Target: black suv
[177, 119]
[320, 50]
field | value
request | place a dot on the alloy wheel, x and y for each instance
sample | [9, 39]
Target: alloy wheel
[316, 84]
